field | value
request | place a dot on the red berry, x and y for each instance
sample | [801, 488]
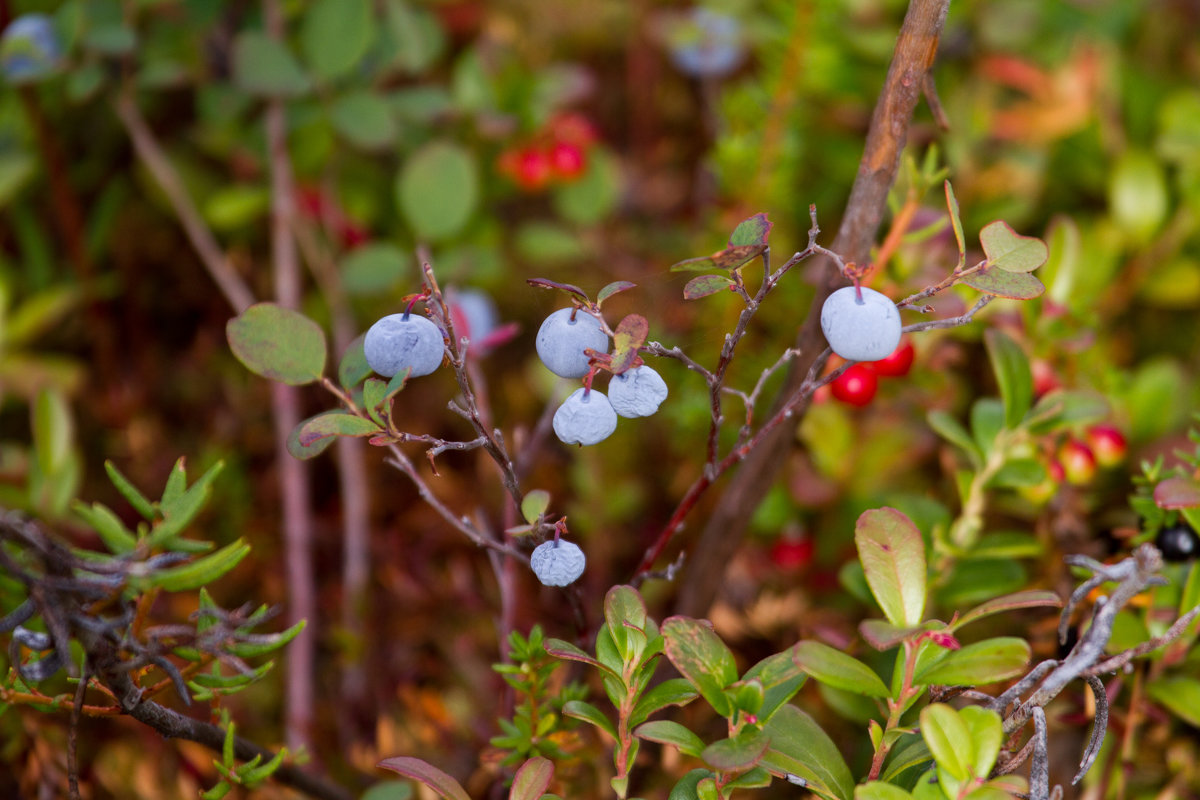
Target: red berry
[1055, 470]
[791, 553]
[574, 128]
[567, 160]
[898, 363]
[1108, 445]
[1045, 379]
[1078, 462]
[856, 386]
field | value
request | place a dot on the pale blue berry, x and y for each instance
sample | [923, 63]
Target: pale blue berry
[865, 329]
[637, 392]
[586, 417]
[30, 49]
[561, 342]
[557, 563]
[403, 340]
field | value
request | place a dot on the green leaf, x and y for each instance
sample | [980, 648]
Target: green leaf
[238, 206]
[204, 570]
[883, 635]
[730, 258]
[948, 738]
[278, 343]
[262, 644]
[593, 196]
[215, 680]
[686, 787]
[1034, 598]
[623, 609]
[893, 557]
[702, 658]
[338, 423]
[353, 367]
[800, 747]
[952, 431]
[108, 526]
[987, 734]
[1138, 195]
[565, 650]
[364, 119]
[738, 752]
[130, 492]
[1012, 374]
[265, 67]
[180, 509]
[534, 504]
[671, 692]
[578, 709]
[630, 334]
[373, 268]
[878, 790]
[987, 421]
[704, 285]
[305, 452]
[389, 790]
[532, 779]
[417, 39]
[956, 223]
[1179, 695]
[781, 677]
[757, 778]
[176, 482]
[753, 231]
[1017, 473]
[252, 776]
[976, 664]
[441, 783]
[747, 696]
[1060, 408]
[672, 733]
[613, 288]
[53, 429]
[911, 754]
[437, 190]
[1013, 285]
[335, 35]
[1010, 251]
[835, 668]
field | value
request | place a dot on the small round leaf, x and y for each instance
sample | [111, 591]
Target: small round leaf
[437, 190]
[278, 343]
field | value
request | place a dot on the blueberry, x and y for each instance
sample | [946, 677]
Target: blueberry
[557, 563]
[708, 44]
[637, 393]
[586, 417]
[474, 313]
[1178, 543]
[29, 49]
[562, 340]
[860, 330]
[403, 340]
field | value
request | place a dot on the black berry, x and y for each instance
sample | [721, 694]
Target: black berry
[1178, 543]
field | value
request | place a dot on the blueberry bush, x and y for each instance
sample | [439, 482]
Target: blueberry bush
[551, 447]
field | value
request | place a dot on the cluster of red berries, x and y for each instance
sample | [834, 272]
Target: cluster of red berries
[557, 154]
[858, 384]
[1076, 459]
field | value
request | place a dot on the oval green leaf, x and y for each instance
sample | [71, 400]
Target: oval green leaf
[265, 67]
[799, 746]
[278, 343]
[373, 268]
[1010, 251]
[1013, 374]
[531, 779]
[1013, 285]
[948, 738]
[704, 285]
[976, 664]
[364, 119]
[672, 733]
[893, 557]
[753, 231]
[1180, 696]
[737, 752]
[534, 504]
[702, 658]
[437, 190]
[835, 668]
[338, 423]
[335, 35]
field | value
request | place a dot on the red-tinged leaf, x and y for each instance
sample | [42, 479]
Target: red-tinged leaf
[441, 783]
[335, 424]
[312, 450]
[278, 343]
[1013, 285]
[569, 652]
[1010, 251]
[546, 283]
[883, 635]
[613, 288]
[630, 334]
[380, 441]
[531, 779]
[751, 231]
[893, 557]
[956, 222]
[1176, 493]
[1035, 598]
[702, 658]
[704, 285]
[729, 258]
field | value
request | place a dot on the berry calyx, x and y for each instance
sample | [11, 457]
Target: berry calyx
[586, 417]
[1178, 543]
[856, 386]
[637, 393]
[564, 336]
[404, 340]
[557, 562]
[898, 363]
[860, 324]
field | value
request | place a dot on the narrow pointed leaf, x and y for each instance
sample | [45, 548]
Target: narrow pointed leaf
[201, 571]
[893, 557]
[799, 746]
[546, 283]
[1035, 598]
[578, 709]
[1013, 285]
[565, 650]
[278, 343]
[130, 492]
[531, 779]
[956, 222]
[1010, 251]
[702, 658]
[753, 231]
[704, 285]
[672, 733]
[441, 783]
[737, 752]
[261, 644]
[883, 635]
[976, 664]
[952, 431]
[834, 668]
[108, 526]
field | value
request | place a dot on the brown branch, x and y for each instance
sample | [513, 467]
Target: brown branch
[911, 61]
